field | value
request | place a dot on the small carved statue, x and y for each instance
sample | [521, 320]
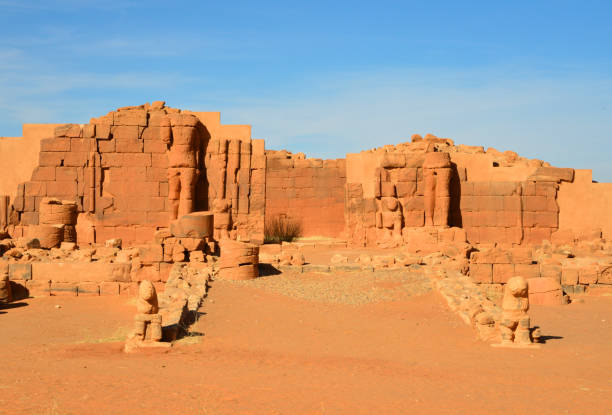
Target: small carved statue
[514, 324]
[148, 320]
[5, 284]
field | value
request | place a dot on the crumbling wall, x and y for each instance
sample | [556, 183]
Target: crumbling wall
[310, 191]
[116, 169]
[495, 197]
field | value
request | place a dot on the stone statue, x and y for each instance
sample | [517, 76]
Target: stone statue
[437, 174]
[181, 134]
[392, 216]
[148, 321]
[514, 324]
[5, 284]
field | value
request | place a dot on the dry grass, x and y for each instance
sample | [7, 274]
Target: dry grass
[282, 229]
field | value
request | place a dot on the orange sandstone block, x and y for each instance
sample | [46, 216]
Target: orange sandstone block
[527, 270]
[62, 189]
[88, 289]
[51, 158]
[545, 291]
[414, 218]
[481, 273]
[43, 173]
[137, 159]
[588, 274]
[535, 203]
[512, 203]
[159, 160]
[55, 144]
[125, 131]
[109, 288]
[63, 289]
[502, 273]
[503, 188]
[405, 189]
[128, 288]
[154, 146]
[35, 188]
[76, 159]
[106, 146]
[529, 189]
[129, 145]
[569, 276]
[83, 144]
[103, 131]
[38, 288]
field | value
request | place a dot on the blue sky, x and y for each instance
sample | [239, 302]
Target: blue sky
[326, 78]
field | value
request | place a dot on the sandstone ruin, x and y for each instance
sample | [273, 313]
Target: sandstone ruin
[151, 197]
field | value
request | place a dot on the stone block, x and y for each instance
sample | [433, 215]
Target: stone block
[63, 289]
[414, 218]
[551, 271]
[50, 158]
[151, 253]
[38, 288]
[569, 276]
[129, 145]
[387, 189]
[76, 159]
[406, 189]
[43, 174]
[481, 273]
[83, 145]
[55, 144]
[588, 274]
[393, 160]
[109, 288]
[527, 271]
[502, 273]
[106, 146]
[35, 189]
[20, 271]
[88, 289]
[77, 272]
[193, 225]
[554, 174]
[545, 291]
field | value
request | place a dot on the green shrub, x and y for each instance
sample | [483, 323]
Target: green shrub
[281, 229]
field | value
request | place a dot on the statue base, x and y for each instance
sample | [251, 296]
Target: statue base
[517, 345]
[132, 345]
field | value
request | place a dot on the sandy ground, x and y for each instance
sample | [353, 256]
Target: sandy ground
[274, 347]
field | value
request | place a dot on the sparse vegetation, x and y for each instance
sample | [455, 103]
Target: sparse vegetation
[281, 228]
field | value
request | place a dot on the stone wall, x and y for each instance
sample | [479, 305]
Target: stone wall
[116, 169]
[486, 203]
[310, 191]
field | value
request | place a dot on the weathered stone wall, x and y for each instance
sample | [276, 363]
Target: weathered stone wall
[310, 191]
[116, 169]
[490, 210]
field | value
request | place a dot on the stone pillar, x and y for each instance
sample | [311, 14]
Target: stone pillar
[437, 174]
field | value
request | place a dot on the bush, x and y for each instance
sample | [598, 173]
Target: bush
[282, 229]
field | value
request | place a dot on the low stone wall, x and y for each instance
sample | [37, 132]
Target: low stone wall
[310, 191]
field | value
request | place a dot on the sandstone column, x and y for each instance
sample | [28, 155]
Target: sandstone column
[183, 162]
[437, 174]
